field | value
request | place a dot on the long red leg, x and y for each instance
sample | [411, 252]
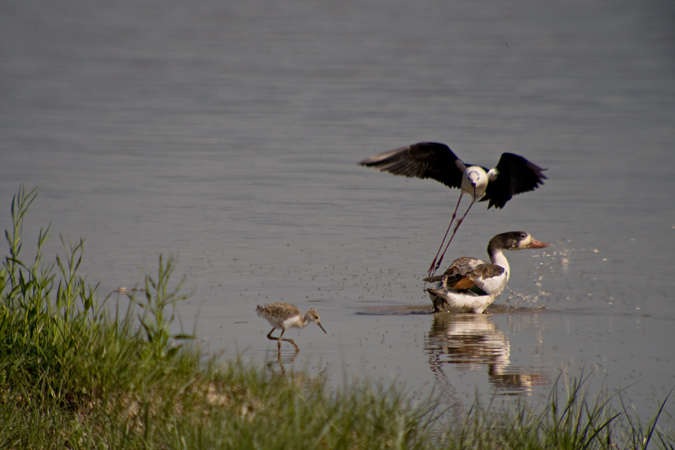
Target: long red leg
[459, 222]
[434, 265]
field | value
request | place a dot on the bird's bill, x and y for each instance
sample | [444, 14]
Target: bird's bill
[538, 244]
[322, 328]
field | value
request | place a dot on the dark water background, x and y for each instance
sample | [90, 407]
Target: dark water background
[228, 133]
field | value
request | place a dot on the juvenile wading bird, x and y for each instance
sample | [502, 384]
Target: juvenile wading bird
[513, 175]
[470, 284]
[285, 316]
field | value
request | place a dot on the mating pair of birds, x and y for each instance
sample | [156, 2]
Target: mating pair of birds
[469, 284]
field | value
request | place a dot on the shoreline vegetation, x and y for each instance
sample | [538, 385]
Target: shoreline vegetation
[77, 374]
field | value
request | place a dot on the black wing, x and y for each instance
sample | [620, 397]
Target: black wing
[421, 160]
[516, 175]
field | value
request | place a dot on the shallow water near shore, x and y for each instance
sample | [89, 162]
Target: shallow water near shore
[230, 134]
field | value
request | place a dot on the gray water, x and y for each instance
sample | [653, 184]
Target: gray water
[228, 134]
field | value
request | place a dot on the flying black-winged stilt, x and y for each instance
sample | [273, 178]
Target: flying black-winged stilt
[512, 175]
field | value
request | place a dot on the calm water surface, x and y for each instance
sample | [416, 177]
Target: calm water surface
[229, 135]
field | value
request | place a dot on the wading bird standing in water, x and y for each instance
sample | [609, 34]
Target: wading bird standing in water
[285, 316]
[470, 284]
[512, 175]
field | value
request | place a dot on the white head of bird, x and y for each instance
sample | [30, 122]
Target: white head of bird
[312, 315]
[475, 181]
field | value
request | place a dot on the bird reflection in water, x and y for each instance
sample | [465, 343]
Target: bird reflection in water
[470, 342]
[278, 363]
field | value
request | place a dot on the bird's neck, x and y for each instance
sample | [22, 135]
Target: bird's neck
[303, 322]
[497, 257]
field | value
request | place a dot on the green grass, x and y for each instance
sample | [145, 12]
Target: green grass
[78, 373]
